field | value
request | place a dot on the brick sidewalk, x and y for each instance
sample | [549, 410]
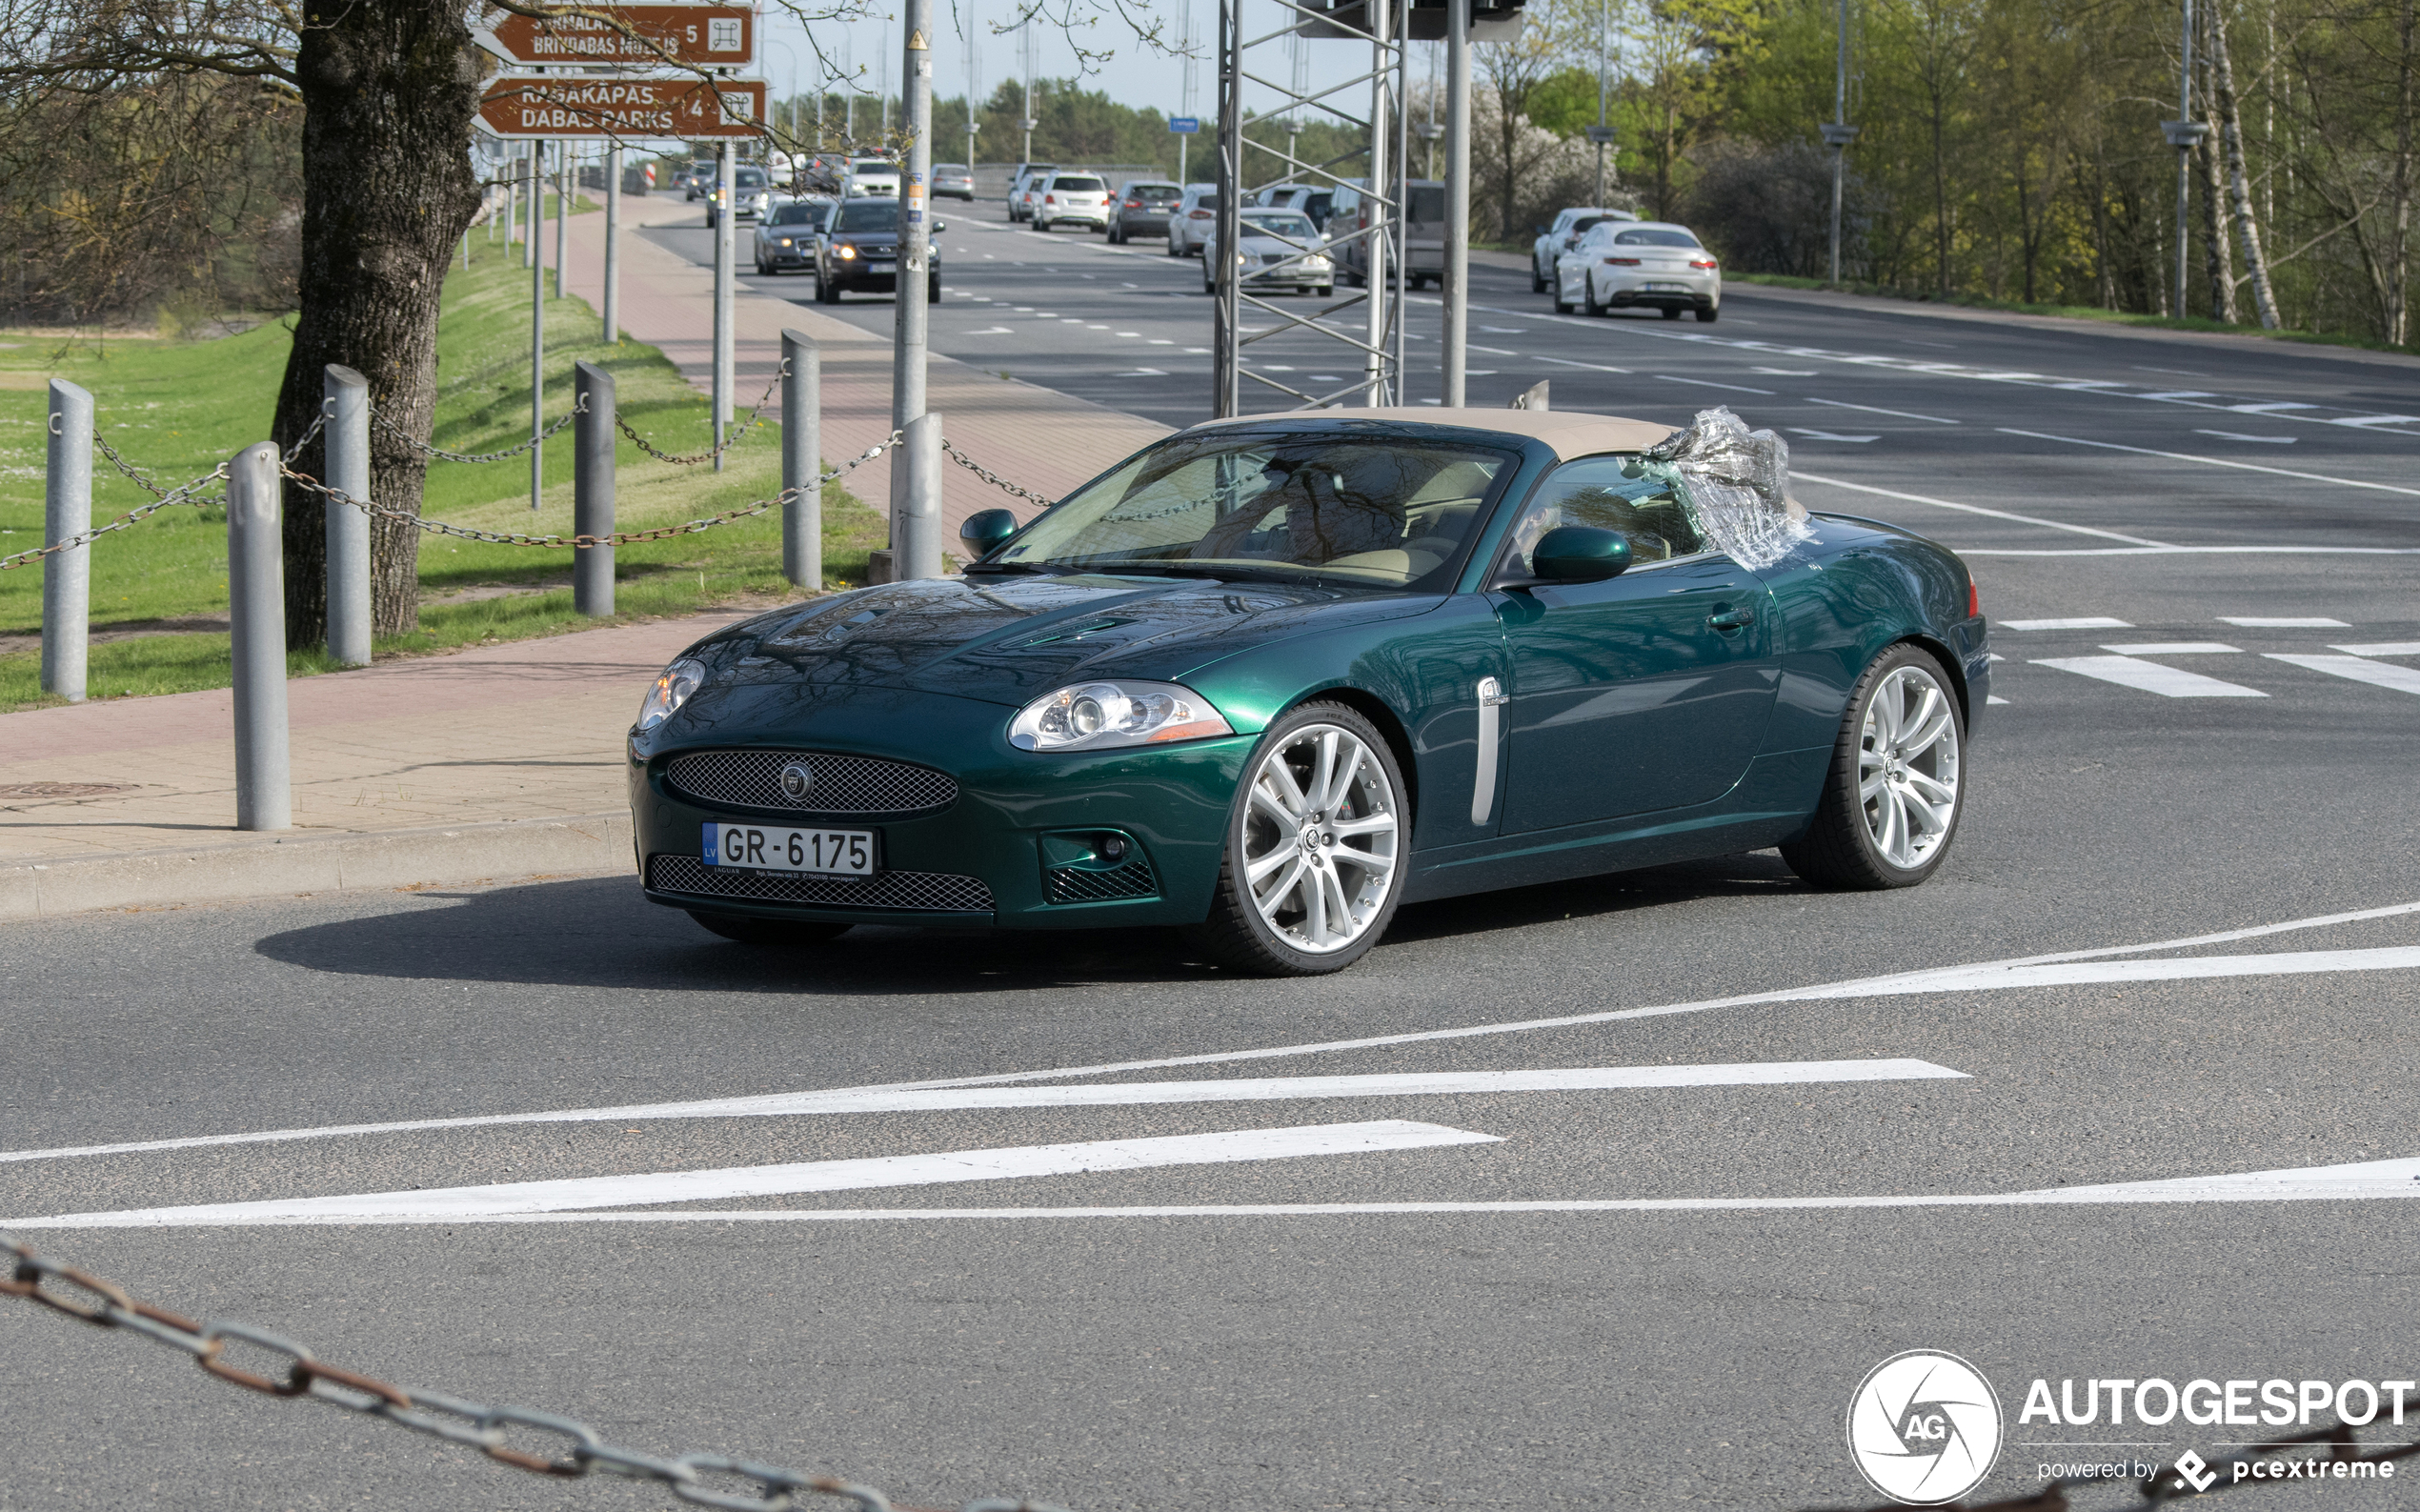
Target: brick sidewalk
[495, 762]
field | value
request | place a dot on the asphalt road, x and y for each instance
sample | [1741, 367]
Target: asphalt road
[1352, 1293]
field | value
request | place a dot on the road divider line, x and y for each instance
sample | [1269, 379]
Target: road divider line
[1977, 509]
[2149, 676]
[518, 1199]
[2377, 674]
[2369, 1181]
[1905, 415]
[2214, 461]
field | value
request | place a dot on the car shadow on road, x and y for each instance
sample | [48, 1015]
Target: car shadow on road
[598, 932]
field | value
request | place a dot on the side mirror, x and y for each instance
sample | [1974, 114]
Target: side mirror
[1542, 231]
[986, 530]
[1574, 553]
[940, 226]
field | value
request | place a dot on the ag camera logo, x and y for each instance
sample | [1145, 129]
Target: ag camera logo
[1924, 1427]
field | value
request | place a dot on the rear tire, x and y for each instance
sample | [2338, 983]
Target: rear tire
[1883, 820]
[1563, 305]
[1706, 316]
[1537, 282]
[1331, 900]
[1325, 291]
[749, 931]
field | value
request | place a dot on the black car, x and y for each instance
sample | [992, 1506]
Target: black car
[861, 249]
[786, 236]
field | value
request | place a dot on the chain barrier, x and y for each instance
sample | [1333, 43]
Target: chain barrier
[620, 537]
[176, 495]
[105, 1304]
[756, 412]
[995, 479]
[378, 415]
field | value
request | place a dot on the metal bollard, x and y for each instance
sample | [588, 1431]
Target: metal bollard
[67, 512]
[593, 488]
[348, 529]
[801, 461]
[256, 605]
[918, 541]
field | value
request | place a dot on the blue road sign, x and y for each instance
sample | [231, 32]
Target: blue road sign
[1184, 125]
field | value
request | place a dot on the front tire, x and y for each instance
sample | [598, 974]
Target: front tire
[1537, 280]
[1316, 848]
[1896, 788]
[749, 931]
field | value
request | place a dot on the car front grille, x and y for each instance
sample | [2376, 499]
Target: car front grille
[898, 892]
[1068, 884]
[862, 787]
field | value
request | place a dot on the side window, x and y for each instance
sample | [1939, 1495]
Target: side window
[1614, 493]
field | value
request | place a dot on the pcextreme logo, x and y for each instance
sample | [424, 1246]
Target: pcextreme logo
[1924, 1427]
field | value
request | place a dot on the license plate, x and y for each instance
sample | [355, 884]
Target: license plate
[880, 268]
[1666, 288]
[817, 852]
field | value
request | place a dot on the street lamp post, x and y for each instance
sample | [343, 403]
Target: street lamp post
[1837, 133]
[2184, 133]
[1602, 135]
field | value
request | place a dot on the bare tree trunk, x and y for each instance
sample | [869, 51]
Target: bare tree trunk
[389, 92]
[2218, 257]
[1939, 195]
[2230, 135]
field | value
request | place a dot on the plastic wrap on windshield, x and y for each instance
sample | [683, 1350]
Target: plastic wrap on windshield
[1738, 487]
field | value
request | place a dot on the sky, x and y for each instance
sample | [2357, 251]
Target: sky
[1137, 75]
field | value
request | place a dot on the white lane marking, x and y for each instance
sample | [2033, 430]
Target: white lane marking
[1784, 373]
[1493, 351]
[2382, 647]
[1975, 508]
[512, 1198]
[2085, 622]
[1595, 367]
[2027, 971]
[1140, 372]
[2366, 1181]
[2213, 461]
[995, 330]
[2193, 398]
[1729, 388]
[1869, 408]
[2173, 648]
[1992, 698]
[2238, 435]
[2378, 673]
[2192, 551]
[2149, 676]
[1827, 435]
[2256, 622]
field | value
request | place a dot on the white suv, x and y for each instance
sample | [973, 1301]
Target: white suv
[1083, 198]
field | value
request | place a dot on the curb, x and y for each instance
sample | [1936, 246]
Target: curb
[337, 863]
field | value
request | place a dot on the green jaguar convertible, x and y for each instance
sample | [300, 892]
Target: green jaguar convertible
[1270, 678]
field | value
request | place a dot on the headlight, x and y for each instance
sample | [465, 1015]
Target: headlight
[1090, 716]
[786, 241]
[846, 250]
[672, 690]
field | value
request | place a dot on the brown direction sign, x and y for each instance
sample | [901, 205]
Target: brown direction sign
[687, 108]
[635, 36]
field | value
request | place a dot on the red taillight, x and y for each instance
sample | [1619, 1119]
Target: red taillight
[1201, 214]
[1701, 262]
[1975, 600]
[1622, 262]
[1134, 204]
[1050, 199]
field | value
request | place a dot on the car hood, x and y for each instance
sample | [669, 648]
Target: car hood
[1010, 640]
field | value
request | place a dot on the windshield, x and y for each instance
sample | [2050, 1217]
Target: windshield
[1428, 203]
[793, 215]
[750, 178]
[1380, 514]
[1654, 238]
[869, 214]
[1073, 185]
[1292, 228]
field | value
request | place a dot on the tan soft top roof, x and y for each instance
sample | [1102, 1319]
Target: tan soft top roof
[1569, 432]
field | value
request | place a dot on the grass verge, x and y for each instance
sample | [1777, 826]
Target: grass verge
[2113, 317]
[176, 407]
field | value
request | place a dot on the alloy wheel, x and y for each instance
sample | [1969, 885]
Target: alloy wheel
[1908, 766]
[1319, 839]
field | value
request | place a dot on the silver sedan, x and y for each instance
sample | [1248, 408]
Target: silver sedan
[1275, 249]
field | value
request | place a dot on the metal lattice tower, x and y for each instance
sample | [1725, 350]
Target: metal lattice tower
[1370, 319]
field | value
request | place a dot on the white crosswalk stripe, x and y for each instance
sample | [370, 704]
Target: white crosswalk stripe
[2360, 669]
[2151, 676]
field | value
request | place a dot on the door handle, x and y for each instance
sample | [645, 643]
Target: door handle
[1732, 618]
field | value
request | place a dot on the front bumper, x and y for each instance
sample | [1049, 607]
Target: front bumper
[1008, 850]
[788, 257]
